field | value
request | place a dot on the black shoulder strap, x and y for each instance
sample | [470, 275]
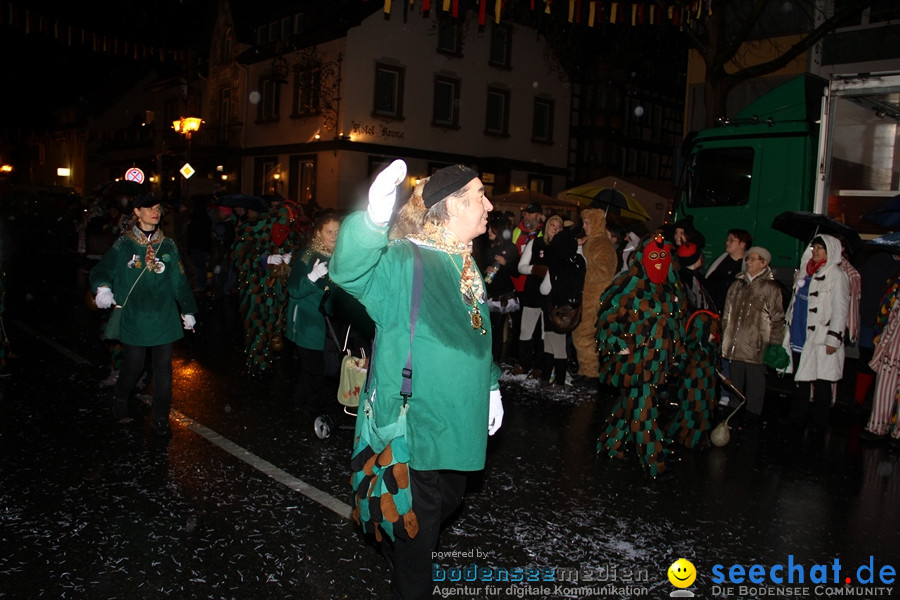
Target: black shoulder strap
[414, 303]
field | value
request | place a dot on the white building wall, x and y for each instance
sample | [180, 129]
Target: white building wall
[343, 176]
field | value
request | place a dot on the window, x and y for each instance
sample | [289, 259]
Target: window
[539, 184]
[287, 27]
[501, 47]
[268, 109]
[303, 179]
[720, 177]
[446, 102]
[497, 121]
[274, 31]
[264, 166]
[388, 91]
[449, 35]
[307, 84]
[542, 126]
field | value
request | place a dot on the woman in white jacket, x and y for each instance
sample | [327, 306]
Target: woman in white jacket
[814, 333]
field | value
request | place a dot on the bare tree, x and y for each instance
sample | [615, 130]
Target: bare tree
[719, 34]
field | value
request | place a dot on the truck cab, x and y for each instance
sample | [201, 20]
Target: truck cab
[829, 147]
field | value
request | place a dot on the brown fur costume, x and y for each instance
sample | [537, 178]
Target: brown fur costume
[600, 255]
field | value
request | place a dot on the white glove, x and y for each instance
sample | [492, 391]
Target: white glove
[274, 259]
[383, 192]
[189, 322]
[104, 297]
[495, 412]
[286, 258]
[318, 271]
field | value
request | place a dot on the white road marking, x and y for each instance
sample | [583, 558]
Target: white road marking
[264, 466]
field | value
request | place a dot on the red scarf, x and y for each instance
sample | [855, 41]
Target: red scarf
[812, 266]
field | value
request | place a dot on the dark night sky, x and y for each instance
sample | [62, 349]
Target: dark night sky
[40, 72]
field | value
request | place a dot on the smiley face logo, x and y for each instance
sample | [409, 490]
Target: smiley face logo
[682, 573]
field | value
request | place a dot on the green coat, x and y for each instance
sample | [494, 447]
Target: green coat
[151, 316]
[453, 372]
[305, 324]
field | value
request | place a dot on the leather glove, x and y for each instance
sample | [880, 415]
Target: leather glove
[318, 271]
[539, 270]
[274, 259]
[189, 322]
[104, 297]
[495, 412]
[286, 258]
[383, 192]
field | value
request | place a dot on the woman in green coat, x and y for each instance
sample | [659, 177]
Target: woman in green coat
[305, 323]
[143, 268]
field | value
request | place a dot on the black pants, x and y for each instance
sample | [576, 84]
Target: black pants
[309, 395]
[821, 392]
[436, 495]
[133, 365]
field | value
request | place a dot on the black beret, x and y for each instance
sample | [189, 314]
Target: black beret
[445, 182]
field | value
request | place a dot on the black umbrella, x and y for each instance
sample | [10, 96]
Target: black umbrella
[121, 187]
[886, 214]
[888, 243]
[243, 201]
[805, 226]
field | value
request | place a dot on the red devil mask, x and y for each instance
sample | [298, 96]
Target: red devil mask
[657, 259]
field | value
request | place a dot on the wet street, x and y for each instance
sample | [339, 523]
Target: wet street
[245, 502]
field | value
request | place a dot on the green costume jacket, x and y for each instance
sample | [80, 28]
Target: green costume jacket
[151, 316]
[305, 324]
[453, 372]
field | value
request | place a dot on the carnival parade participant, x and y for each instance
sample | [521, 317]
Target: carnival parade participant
[307, 286]
[455, 398]
[640, 335]
[144, 270]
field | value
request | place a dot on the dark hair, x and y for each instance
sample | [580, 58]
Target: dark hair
[616, 230]
[321, 218]
[742, 236]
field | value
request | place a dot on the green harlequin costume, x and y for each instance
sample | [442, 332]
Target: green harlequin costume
[453, 371]
[151, 316]
[647, 319]
[305, 324]
[697, 389]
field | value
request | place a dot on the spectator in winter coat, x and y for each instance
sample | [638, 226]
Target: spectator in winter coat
[752, 319]
[501, 265]
[533, 264]
[814, 336]
[562, 286]
[720, 274]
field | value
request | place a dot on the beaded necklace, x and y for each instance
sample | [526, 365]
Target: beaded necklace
[470, 284]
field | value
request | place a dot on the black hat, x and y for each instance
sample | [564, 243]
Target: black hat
[445, 182]
[534, 207]
[145, 201]
[689, 253]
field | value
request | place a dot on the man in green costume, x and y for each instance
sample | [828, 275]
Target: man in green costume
[455, 402]
[143, 268]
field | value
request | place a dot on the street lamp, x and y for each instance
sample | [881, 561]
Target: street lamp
[187, 126]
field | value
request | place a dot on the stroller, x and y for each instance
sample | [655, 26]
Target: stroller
[352, 371]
